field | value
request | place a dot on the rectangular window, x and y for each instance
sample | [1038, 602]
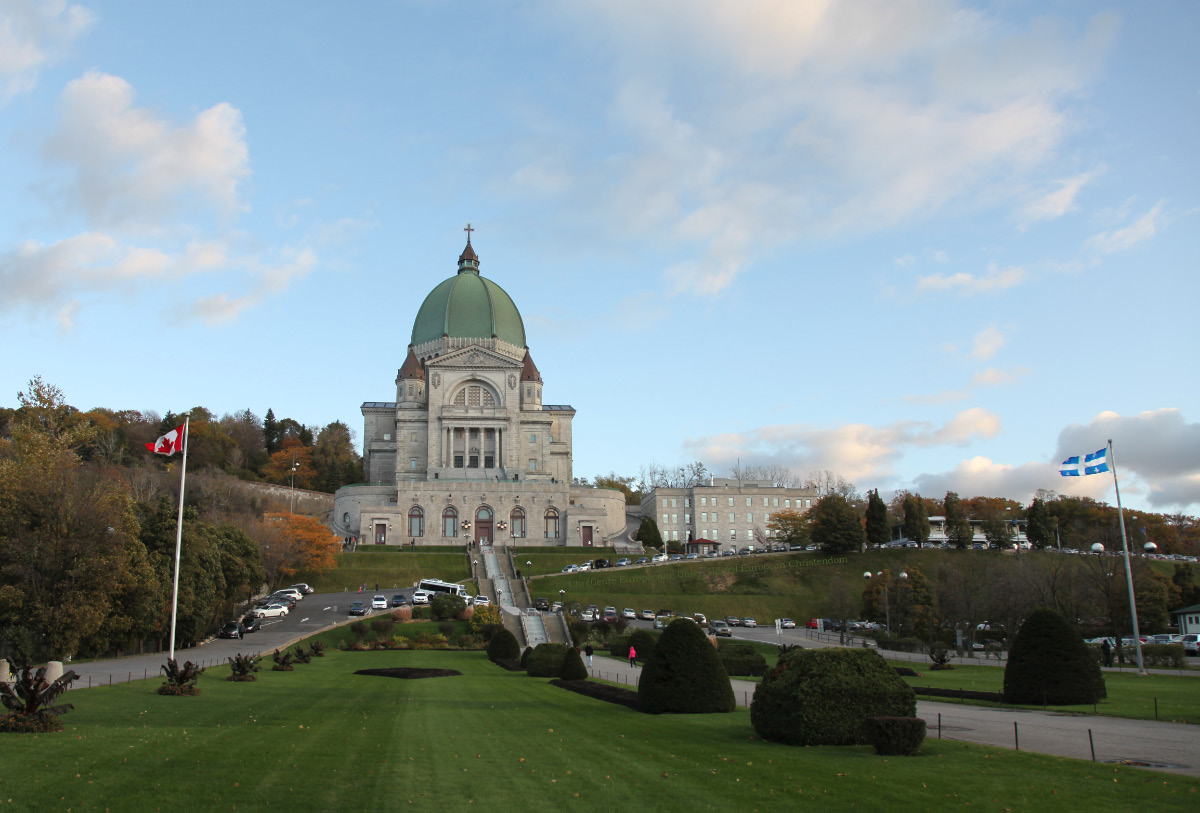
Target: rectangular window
[732, 535]
[387, 436]
[703, 501]
[787, 503]
[774, 502]
[413, 436]
[674, 502]
[732, 518]
[808, 503]
[704, 516]
[687, 502]
[687, 519]
[458, 461]
[749, 502]
[533, 465]
[412, 462]
[674, 519]
[749, 517]
[533, 438]
[731, 500]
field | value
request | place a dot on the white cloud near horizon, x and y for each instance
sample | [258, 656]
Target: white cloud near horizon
[965, 284]
[32, 35]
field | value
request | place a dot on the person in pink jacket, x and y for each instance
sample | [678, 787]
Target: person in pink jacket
[632, 656]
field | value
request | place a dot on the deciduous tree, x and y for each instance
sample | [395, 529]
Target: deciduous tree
[958, 527]
[836, 525]
[294, 543]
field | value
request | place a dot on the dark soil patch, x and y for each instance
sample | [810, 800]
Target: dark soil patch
[609, 694]
[510, 665]
[409, 672]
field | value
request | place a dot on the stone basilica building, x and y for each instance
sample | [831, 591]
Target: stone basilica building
[468, 450]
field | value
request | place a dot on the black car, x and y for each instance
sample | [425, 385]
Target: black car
[251, 623]
[541, 604]
[358, 608]
[231, 630]
[399, 600]
[599, 563]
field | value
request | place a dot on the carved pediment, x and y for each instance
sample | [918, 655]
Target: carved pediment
[474, 358]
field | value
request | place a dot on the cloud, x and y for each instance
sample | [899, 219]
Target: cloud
[987, 343]
[1057, 202]
[991, 377]
[996, 279]
[856, 451]
[131, 170]
[1145, 227]
[33, 35]
[981, 477]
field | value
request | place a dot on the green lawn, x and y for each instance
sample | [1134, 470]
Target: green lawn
[1128, 694]
[389, 571]
[322, 738]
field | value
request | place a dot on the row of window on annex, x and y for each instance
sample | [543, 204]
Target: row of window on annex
[731, 502]
[516, 527]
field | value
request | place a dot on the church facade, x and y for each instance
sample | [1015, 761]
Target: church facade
[468, 450]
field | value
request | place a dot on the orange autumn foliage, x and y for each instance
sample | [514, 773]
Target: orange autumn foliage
[294, 543]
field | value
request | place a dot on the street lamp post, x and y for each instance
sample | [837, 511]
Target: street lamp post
[292, 494]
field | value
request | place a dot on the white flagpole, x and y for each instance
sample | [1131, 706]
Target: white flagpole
[1137, 638]
[179, 537]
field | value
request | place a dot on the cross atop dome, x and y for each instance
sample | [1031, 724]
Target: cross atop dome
[468, 260]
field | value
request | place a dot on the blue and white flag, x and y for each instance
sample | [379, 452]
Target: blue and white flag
[1094, 463]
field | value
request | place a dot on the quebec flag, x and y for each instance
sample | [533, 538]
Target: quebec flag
[1094, 463]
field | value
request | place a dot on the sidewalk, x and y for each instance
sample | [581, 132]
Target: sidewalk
[1170, 747]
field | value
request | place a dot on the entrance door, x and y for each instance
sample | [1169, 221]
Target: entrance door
[381, 533]
[587, 536]
[483, 526]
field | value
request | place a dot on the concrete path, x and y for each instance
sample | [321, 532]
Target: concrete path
[1171, 747]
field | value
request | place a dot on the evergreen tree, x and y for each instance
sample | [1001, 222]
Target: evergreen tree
[836, 526]
[878, 532]
[958, 527]
[647, 533]
[271, 432]
[916, 521]
[1040, 530]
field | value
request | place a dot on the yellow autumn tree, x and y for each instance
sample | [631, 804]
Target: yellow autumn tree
[294, 543]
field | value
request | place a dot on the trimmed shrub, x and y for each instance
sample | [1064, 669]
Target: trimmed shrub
[822, 697]
[402, 615]
[446, 607]
[1168, 655]
[503, 646]
[684, 675]
[546, 660]
[525, 656]
[741, 660]
[382, 627]
[359, 629]
[572, 666]
[619, 648]
[1049, 664]
[894, 736]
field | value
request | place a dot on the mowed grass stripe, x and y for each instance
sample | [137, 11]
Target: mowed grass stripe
[321, 738]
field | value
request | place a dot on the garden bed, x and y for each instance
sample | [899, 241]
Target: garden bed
[409, 672]
[600, 691]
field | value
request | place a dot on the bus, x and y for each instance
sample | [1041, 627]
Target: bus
[439, 587]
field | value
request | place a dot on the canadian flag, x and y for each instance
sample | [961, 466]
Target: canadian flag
[169, 443]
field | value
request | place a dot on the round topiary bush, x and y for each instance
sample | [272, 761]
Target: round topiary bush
[1050, 664]
[822, 697]
[572, 666]
[525, 656]
[546, 660]
[644, 643]
[742, 660]
[446, 607]
[894, 736]
[684, 674]
[503, 646]
[619, 648]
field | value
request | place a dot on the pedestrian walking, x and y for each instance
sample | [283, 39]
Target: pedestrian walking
[1106, 651]
[632, 657]
[587, 650]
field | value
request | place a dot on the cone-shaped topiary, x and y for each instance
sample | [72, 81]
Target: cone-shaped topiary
[1050, 664]
[822, 697]
[643, 642]
[503, 646]
[684, 675]
[572, 666]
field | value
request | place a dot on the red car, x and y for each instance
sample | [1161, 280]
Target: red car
[812, 624]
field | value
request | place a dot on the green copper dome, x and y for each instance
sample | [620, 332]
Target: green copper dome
[468, 306]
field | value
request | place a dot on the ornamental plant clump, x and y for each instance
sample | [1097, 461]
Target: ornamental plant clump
[181, 680]
[28, 700]
[684, 675]
[300, 656]
[1049, 664]
[283, 661]
[242, 668]
[316, 649]
[823, 696]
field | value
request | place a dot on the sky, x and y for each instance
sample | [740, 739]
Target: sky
[925, 245]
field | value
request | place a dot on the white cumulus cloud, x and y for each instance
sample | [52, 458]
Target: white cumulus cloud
[33, 34]
[1145, 227]
[995, 279]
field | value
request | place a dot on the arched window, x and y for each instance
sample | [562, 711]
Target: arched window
[517, 523]
[450, 521]
[346, 518]
[474, 395]
[416, 521]
[552, 523]
[484, 514]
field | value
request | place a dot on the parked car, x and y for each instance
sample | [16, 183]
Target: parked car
[556, 607]
[379, 603]
[659, 557]
[541, 604]
[745, 551]
[357, 608]
[812, 624]
[787, 624]
[585, 566]
[646, 615]
[1191, 643]
[571, 569]
[795, 547]
[286, 601]
[749, 622]
[660, 623]
[699, 618]
[730, 552]
[478, 601]
[303, 588]
[642, 560]
[732, 620]
[399, 600]
[629, 612]
[420, 597]
[675, 557]
[587, 615]
[251, 623]
[693, 556]
[609, 614]
[231, 630]
[623, 561]
[601, 563]
[289, 591]
[271, 611]
[719, 627]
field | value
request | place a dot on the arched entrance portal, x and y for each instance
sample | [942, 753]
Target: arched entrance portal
[483, 525]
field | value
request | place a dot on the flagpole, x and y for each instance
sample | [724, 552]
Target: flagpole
[1137, 638]
[179, 537]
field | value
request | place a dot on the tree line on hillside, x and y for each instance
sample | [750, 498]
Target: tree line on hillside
[87, 546]
[270, 449]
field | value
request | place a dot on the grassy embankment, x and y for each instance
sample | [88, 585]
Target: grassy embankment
[390, 571]
[1128, 695]
[323, 738]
